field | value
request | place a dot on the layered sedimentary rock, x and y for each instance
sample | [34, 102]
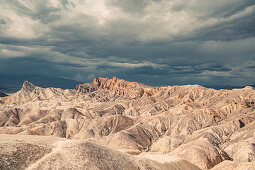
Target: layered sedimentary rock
[201, 125]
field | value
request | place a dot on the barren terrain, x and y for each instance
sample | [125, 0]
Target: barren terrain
[116, 124]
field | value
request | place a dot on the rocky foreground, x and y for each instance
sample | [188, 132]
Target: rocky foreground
[116, 124]
[41, 152]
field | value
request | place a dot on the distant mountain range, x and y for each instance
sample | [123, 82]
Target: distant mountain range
[13, 83]
[228, 87]
[2, 94]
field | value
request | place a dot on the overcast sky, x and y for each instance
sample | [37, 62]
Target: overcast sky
[157, 42]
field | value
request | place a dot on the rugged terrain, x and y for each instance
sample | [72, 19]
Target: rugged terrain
[131, 121]
[41, 152]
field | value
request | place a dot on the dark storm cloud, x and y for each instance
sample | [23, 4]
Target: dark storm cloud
[232, 30]
[158, 42]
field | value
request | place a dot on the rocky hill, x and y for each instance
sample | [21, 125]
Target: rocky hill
[209, 128]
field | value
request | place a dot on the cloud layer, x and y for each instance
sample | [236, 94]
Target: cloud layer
[158, 42]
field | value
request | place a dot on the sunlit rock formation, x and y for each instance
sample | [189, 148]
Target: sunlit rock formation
[204, 126]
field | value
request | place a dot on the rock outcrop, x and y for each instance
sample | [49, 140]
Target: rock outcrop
[203, 126]
[118, 87]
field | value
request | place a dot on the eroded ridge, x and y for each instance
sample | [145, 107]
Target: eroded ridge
[204, 126]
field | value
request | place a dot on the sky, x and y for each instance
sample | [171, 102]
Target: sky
[156, 42]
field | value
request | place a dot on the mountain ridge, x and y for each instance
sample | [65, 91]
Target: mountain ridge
[3, 94]
[12, 83]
